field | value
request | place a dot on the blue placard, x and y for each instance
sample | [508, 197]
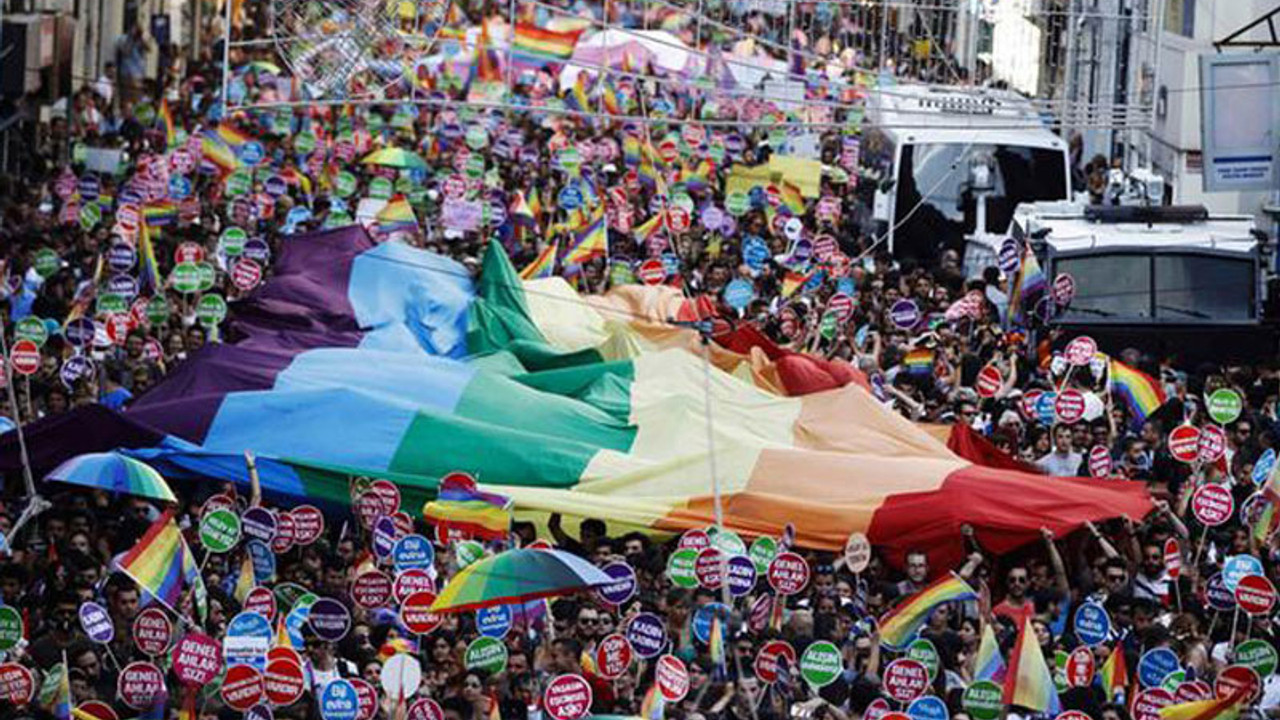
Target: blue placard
[846, 286]
[264, 561]
[247, 640]
[623, 587]
[905, 314]
[412, 551]
[755, 253]
[929, 707]
[1262, 467]
[384, 537]
[1009, 257]
[1093, 625]
[1044, 408]
[494, 621]
[647, 634]
[1236, 567]
[252, 152]
[1219, 597]
[739, 293]
[702, 621]
[570, 198]
[79, 332]
[90, 187]
[1155, 664]
[179, 187]
[338, 701]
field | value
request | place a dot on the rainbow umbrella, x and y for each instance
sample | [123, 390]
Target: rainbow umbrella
[395, 157]
[516, 576]
[114, 472]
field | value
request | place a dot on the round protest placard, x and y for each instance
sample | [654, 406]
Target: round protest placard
[1255, 594]
[282, 682]
[242, 687]
[905, 679]
[773, 655]
[1155, 664]
[879, 709]
[613, 656]
[258, 523]
[924, 651]
[262, 601]
[742, 575]
[1192, 691]
[905, 314]
[95, 622]
[647, 634]
[338, 701]
[695, 539]
[651, 272]
[494, 621]
[487, 654]
[412, 552]
[1212, 504]
[989, 381]
[762, 552]
[681, 568]
[1099, 461]
[152, 631]
[1224, 405]
[140, 685]
[1081, 350]
[788, 573]
[1064, 289]
[1184, 443]
[567, 697]
[1147, 704]
[247, 640]
[1238, 680]
[371, 589]
[928, 707]
[672, 678]
[1236, 568]
[1069, 406]
[285, 531]
[709, 568]
[1218, 595]
[857, 552]
[401, 676]
[197, 659]
[425, 709]
[329, 619]
[1211, 445]
[219, 530]
[415, 613]
[821, 664]
[366, 698]
[1172, 558]
[410, 582]
[308, 524]
[17, 684]
[24, 357]
[1080, 667]
[1258, 655]
[983, 700]
[622, 588]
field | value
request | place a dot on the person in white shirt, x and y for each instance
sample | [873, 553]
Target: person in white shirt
[1063, 461]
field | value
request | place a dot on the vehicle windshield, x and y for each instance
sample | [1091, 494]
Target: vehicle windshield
[1177, 288]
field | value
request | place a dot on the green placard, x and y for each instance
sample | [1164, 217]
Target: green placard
[10, 628]
[728, 542]
[477, 138]
[469, 551]
[475, 166]
[1257, 654]
[211, 310]
[47, 262]
[145, 113]
[304, 142]
[983, 700]
[344, 184]
[157, 310]
[680, 568]
[1060, 659]
[570, 158]
[287, 594]
[111, 304]
[90, 215]
[829, 324]
[380, 188]
[1224, 405]
[821, 664]
[205, 276]
[486, 654]
[621, 274]
[238, 183]
[1176, 678]
[737, 203]
[763, 550]
[219, 530]
[33, 329]
[233, 240]
[185, 277]
[923, 650]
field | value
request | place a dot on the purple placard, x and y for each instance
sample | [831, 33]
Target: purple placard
[647, 635]
[623, 589]
[905, 314]
[258, 523]
[97, 623]
[742, 575]
[330, 619]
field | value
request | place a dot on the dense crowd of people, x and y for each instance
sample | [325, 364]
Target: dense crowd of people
[73, 235]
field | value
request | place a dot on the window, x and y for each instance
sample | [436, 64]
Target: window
[1188, 288]
[1108, 287]
[1180, 17]
[1201, 287]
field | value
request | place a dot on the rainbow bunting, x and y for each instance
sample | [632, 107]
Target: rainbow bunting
[1138, 390]
[592, 241]
[989, 664]
[542, 266]
[1028, 682]
[161, 562]
[1223, 708]
[535, 47]
[460, 504]
[900, 625]
[1114, 674]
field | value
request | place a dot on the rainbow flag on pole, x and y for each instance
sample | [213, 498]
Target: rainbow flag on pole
[460, 504]
[899, 626]
[165, 118]
[1028, 682]
[218, 152]
[149, 270]
[989, 665]
[1223, 708]
[535, 47]
[161, 562]
[542, 266]
[396, 216]
[592, 241]
[1114, 674]
[1138, 390]
[1028, 286]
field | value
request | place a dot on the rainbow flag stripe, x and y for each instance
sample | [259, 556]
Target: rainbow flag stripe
[589, 243]
[1114, 674]
[919, 361]
[397, 216]
[218, 152]
[1027, 286]
[1224, 708]
[149, 272]
[161, 561]
[989, 665]
[463, 506]
[231, 136]
[538, 47]
[160, 214]
[542, 266]
[1028, 682]
[1139, 391]
[899, 627]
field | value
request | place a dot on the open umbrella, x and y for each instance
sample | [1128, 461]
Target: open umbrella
[516, 576]
[395, 157]
[114, 472]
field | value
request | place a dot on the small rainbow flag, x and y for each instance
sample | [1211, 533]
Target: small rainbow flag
[1223, 708]
[244, 580]
[396, 216]
[218, 152]
[460, 504]
[592, 241]
[1028, 682]
[149, 272]
[919, 361]
[793, 281]
[1029, 284]
[791, 198]
[1114, 674]
[649, 228]
[231, 136]
[578, 96]
[899, 626]
[542, 266]
[61, 706]
[165, 118]
[161, 562]
[989, 664]
[652, 707]
[160, 214]
[1139, 391]
[535, 47]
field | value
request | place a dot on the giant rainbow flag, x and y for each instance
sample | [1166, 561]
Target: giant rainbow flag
[381, 360]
